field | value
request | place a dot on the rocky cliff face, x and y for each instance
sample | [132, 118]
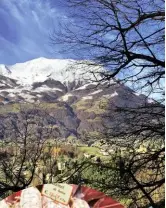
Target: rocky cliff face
[67, 90]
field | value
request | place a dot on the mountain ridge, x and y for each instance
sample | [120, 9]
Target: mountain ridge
[76, 105]
[64, 70]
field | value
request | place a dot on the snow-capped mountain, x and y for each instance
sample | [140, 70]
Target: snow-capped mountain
[38, 70]
[42, 75]
[75, 102]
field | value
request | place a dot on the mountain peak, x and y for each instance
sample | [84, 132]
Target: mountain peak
[75, 103]
[38, 70]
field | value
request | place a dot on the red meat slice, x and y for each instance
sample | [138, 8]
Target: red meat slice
[13, 198]
[91, 194]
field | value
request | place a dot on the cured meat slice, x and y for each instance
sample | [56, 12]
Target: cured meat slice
[90, 194]
[82, 197]
[30, 198]
[3, 204]
[79, 203]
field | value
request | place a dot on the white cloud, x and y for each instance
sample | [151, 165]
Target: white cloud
[25, 29]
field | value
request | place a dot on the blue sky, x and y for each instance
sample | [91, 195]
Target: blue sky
[25, 27]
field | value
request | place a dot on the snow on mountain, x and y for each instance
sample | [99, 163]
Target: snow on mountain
[74, 102]
[66, 97]
[39, 70]
[45, 79]
[96, 92]
[49, 80]
[4, 70]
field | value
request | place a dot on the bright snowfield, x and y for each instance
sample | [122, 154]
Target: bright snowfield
[39, 70]
[66, 71]
[72, 74]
